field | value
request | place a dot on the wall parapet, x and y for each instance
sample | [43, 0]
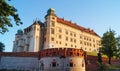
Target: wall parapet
[20, 54]
[53, 52]
[66, 52]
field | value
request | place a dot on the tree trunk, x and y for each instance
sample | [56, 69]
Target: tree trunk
[109, 62]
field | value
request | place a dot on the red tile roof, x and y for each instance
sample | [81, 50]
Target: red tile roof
[74, 25]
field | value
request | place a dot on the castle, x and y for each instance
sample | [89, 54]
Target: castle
[55, 32]
[55, 45]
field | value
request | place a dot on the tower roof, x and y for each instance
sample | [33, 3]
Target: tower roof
[51, 11]
[19, 32]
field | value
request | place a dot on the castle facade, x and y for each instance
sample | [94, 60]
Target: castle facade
[55, 32]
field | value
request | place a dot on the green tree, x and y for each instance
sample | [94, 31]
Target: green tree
[7, 12]
[118, 47]
[109, 43]
[2, 47]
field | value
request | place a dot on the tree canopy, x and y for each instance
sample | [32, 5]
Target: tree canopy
[7, 12]
[109, 44]
[2, 47]
[118, 47]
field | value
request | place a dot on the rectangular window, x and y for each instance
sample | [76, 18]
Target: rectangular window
[60, 36]
[75, 46]
[93, 45]
[90, 44]
[52, 39]
[71, 34]
[90, 39]
[56, 41]
[93, 40]
[44, 39]
[65, 44]
[53, 23]
[38, 29]
[60, 30]
[74, 35]
[84, 37]
[66, 38]
[66, 32]
[71, 64]
[60, 42]
[53, 18]
[54, 64]
[52, 31]
[75, 40]
[84, 43]
[71, 40]
[80, 37]
[80, 42]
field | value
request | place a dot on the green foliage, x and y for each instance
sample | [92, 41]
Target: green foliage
[114, 67]
[118, 47]
[2, 47]
[103, 67]
[109, 43]
[95, 54]
[107, 67]
[99, 57]
[6, 13]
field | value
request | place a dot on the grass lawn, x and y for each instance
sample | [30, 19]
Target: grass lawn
[107, 67]
[94, 54]
[114, 67]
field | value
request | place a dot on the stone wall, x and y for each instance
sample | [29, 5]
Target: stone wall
[46, 60]
[19, 63]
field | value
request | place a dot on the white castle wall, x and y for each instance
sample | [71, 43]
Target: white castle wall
[19, 63]
[62, 64]
[33, 64]
[46, 60]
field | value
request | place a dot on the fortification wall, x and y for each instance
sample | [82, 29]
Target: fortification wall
[19, 63]
[62, 64]
[62, 59]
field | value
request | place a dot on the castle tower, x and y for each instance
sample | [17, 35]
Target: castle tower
[36, 36]
[29, 41]
[17, 44]
[50, 22]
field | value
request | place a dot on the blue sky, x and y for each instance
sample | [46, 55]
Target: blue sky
[99, 15]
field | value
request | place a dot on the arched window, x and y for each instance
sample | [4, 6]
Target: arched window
[41, 66]
[54, 64]
[83, 63]
[71, 63]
